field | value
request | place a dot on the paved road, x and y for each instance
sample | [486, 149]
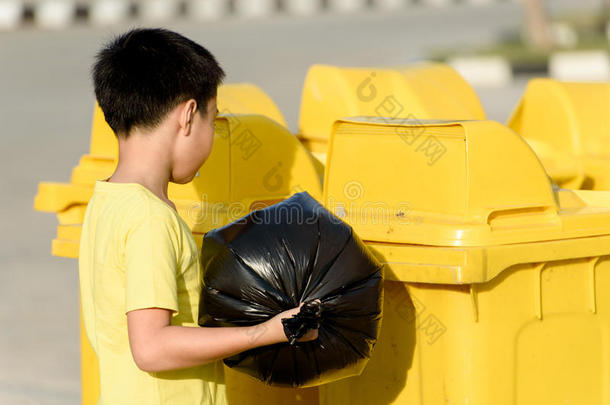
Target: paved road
[45, 109]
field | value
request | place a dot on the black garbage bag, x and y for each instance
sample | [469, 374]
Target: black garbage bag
[277, 257]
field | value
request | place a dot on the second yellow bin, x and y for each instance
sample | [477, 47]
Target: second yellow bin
[496, 281]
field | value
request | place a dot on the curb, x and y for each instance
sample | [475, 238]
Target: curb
[496, 71]
[59, 14]
[580, 66]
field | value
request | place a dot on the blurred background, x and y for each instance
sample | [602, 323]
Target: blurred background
[46, 106]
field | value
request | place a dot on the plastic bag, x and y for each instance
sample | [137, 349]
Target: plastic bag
[274, 258]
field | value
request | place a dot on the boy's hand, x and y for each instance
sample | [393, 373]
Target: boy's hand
[277, 329]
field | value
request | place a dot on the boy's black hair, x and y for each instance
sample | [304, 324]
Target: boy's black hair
[141, 75]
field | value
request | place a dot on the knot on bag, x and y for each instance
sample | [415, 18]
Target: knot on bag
[308, 317]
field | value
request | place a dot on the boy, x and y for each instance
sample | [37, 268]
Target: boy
[139, 269]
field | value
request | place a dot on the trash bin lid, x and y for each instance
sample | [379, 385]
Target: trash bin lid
[450, 183]
[573, 117]
[421, 90]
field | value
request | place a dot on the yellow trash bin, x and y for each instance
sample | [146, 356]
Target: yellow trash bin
[568, 125]
[497, 281]
[255, 162]
[420, 91]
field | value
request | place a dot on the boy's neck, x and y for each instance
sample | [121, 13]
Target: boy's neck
[145, 159]
[155, 185]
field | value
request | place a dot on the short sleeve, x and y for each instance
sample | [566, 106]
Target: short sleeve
[151, 262]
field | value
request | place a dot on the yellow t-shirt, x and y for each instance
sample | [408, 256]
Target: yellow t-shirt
[136, 252]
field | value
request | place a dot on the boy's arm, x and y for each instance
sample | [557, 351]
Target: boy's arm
[158, 346]
[151, 292]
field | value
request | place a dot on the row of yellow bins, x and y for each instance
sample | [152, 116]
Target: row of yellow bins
[497, 278]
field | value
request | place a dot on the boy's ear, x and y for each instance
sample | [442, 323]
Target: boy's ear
[187, 114]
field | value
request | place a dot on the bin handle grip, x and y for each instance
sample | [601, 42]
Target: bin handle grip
[523, 217]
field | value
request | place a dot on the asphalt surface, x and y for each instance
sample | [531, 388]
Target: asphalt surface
[46, 103]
